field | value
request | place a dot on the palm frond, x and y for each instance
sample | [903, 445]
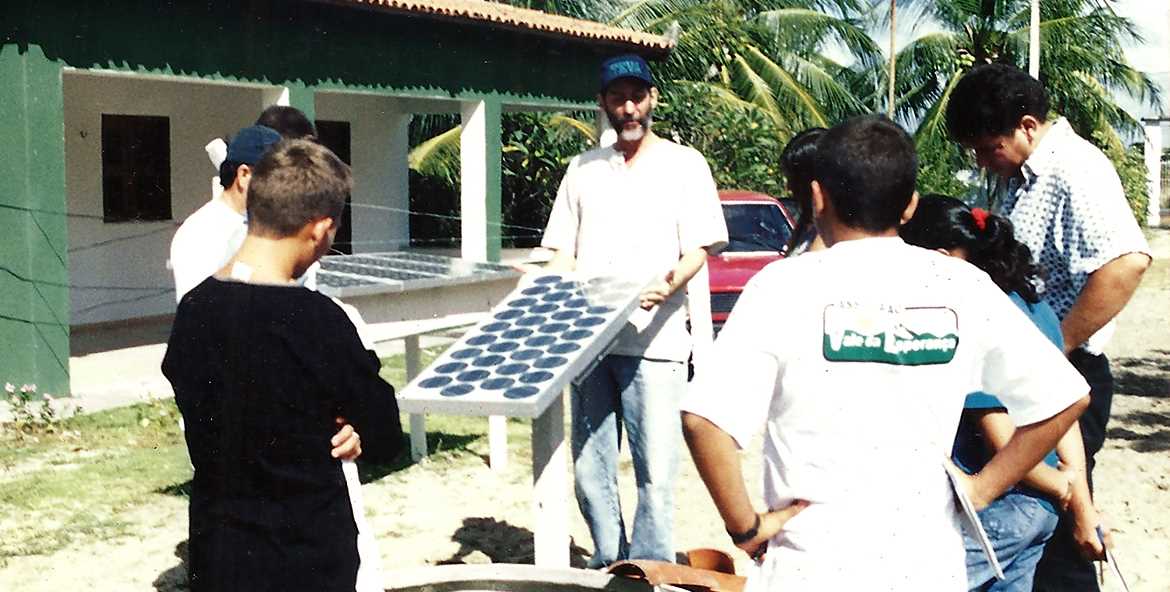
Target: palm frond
[438, 156]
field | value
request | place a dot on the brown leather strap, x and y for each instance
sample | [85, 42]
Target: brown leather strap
[682, 576]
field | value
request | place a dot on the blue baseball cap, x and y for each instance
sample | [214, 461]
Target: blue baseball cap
[625, 66]
[250, 144]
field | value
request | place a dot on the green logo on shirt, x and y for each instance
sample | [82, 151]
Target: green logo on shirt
[889, 335]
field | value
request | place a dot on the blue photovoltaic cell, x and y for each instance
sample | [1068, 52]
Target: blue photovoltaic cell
[496, 384]
[540, 341]
[463, 354]
[529, 342]
[549, 362]
[450, 367]
[520, 392]
[514, 334]
[503, 346]
[577, 334]
[488, 361]
[482, 339]
[553, 327]
[435, 382]
[535, 377]
[531, 321]
[527, 354]
[509, 369]
[457, 390]
[473, 375]
[564, 348]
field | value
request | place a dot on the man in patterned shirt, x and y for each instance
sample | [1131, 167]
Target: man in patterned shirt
[1067, 204]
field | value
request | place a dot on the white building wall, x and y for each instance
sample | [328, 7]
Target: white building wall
[134, 254]
[378, 149]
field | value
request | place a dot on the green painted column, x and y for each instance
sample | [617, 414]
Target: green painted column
[34, 265]
[481, 178]
[302, 97]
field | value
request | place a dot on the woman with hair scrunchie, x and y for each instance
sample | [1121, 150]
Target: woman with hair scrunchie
[1021, 521]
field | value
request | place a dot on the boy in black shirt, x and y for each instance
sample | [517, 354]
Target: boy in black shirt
[261, 368]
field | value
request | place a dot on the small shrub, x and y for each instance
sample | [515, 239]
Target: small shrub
[32, 415]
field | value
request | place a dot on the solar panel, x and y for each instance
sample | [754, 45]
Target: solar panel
[550, 330]
[342, 276]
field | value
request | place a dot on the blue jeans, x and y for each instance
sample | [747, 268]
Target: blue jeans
[1018, 526]
[643, 396]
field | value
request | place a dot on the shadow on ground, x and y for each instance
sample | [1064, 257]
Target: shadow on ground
[1147, 376]
[501, 543]
[175, 579]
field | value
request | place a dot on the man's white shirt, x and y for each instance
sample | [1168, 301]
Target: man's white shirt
[205, 242]
[636, 221]
[856, 361]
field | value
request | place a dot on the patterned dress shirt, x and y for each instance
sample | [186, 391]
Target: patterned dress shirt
[1068, 206]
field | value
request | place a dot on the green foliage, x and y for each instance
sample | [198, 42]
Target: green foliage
[33, 415]
[741, 143]
[536, 149]
[1131, 168]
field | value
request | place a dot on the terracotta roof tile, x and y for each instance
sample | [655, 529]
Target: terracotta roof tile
[505, 16]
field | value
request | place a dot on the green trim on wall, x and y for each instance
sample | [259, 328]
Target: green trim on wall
[310, 45]
[34, 264]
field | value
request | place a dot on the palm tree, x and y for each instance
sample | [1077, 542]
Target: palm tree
[767, 55]
[1082, 67]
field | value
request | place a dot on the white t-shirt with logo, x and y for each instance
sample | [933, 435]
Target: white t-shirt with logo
[856, 361]
[635, 222]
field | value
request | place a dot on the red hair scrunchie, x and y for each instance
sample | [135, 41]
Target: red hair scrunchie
[980, 216]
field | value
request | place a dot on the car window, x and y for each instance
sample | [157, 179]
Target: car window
[755, 227]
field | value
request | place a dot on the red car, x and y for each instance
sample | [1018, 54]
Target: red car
[758, 227]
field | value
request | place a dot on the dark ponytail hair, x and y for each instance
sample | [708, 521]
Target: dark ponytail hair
[797, 161]
[942, 222]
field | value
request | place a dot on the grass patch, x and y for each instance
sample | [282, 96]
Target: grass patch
[83, 482]
[78, 483]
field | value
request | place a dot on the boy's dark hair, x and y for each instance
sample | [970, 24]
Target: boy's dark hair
[290, 122]
[942, 222]
[798, 161]
[867, 166]
[991, 99]
[297, 182]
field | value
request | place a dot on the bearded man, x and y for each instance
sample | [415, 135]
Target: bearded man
[644, 208]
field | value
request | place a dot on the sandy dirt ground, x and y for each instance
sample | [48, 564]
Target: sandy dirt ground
[458, 510]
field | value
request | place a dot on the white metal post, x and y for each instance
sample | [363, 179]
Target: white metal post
[1034, 41]
[1153, 154]
[418, 421]
[550, 487]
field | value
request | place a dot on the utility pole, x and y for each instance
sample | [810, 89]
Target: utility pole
[1034, 42]
[893, 56]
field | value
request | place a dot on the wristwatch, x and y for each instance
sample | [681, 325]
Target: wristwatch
[742, 537]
